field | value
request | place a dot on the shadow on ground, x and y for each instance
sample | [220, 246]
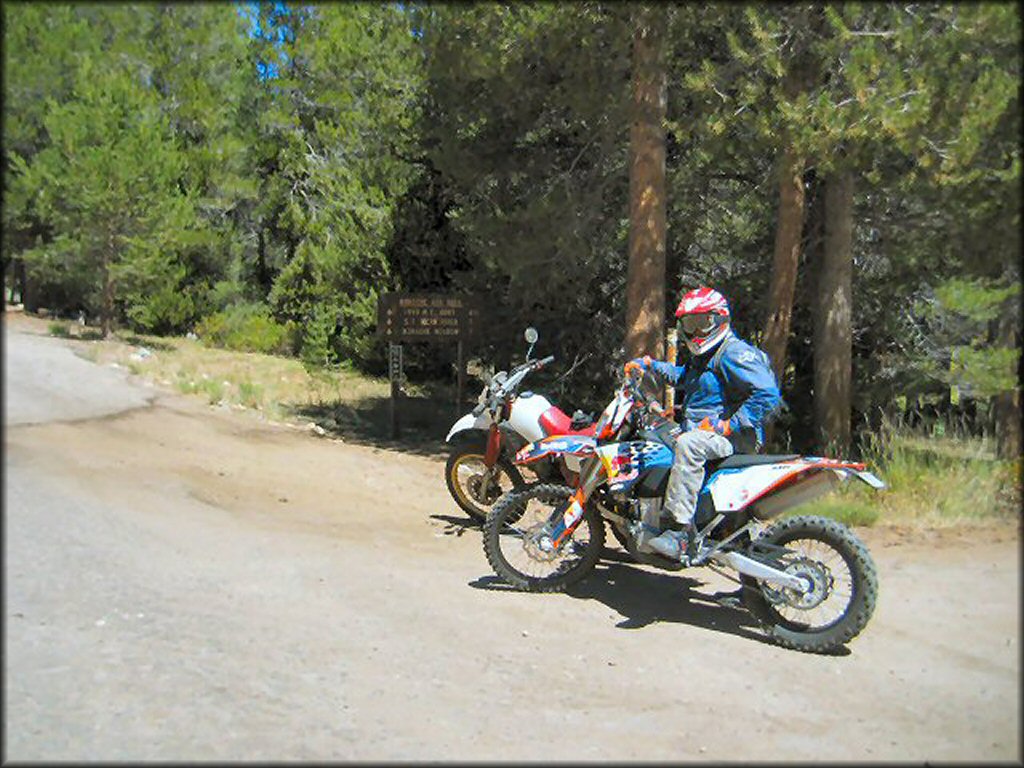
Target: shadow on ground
[423, 421]
[458, 526]
[644, 597]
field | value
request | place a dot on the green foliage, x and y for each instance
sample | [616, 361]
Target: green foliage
[943, 477]
[938, 475]
[977, 300]
[106, 184]
[244, 328]
[524, 112]
[250, 394]
[56, 328]
[483, 149]
[316, 342]
[167, 310]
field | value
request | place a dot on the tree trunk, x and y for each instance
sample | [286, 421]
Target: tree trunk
[107, 311]
[788, 234]
[645, 274]
[1007, 409]
[262, 273]
[833, 319]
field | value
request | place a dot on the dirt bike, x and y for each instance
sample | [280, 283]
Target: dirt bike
[810, 581]
[479, 467]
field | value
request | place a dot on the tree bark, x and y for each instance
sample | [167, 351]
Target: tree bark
[645, 274]
[1007, 409]
[262, 273]
[833, 319]
[107, 310]
[788, 234]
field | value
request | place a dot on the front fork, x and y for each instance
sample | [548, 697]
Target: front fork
[565, 518]
[493, 449]
[491, 453]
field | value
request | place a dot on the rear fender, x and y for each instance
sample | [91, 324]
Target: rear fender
[771, 488]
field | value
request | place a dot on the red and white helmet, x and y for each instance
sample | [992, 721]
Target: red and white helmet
[702, 319]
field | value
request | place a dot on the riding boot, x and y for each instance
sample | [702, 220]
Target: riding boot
[678, 545]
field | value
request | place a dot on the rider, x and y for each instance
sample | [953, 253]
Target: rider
[727, 392]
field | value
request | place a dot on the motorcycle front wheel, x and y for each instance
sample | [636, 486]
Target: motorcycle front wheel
[474, 487]
[512, 540]
[841, 577]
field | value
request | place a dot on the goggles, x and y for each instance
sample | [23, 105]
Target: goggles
[696, 325]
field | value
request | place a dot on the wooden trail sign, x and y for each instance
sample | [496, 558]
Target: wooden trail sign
[436, 317]
[428, 317]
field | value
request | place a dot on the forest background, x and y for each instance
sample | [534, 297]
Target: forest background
[847, 175]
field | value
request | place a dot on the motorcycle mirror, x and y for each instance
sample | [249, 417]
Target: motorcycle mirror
[531, 338]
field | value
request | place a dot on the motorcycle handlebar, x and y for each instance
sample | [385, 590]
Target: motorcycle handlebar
[518, 373]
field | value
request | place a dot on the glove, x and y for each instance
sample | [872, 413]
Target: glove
[637, 364]
[719, 427]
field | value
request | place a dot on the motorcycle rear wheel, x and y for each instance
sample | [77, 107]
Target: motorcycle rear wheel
[512, 553]
[465, 466]
[828, 552]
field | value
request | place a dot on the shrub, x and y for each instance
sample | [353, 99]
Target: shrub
[60, 329]
[249, 394]
[244, 328]
[316, 342]
[168, 310]
[214, 390]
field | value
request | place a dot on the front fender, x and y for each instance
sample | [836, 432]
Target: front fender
[469, 422]
[556, 445]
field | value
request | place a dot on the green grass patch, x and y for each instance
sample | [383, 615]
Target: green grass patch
[934, 480]
[213, 389]
[844, 507]
[61, 330]
[250, 395]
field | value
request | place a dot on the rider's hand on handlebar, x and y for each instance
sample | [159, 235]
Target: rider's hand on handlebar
[718, 426]
[655, 407]
[640, 364]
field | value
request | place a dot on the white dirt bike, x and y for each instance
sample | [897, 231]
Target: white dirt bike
[810, 581]
[479, 467]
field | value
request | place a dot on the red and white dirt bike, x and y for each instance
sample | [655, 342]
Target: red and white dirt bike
[810, 581]
[479, 468]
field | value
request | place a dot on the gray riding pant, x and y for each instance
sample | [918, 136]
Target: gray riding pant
[693, 449]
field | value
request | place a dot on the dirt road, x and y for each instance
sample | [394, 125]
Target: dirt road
[186, 583]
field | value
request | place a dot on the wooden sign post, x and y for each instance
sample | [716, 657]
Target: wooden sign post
[433, 317]
[395, 375]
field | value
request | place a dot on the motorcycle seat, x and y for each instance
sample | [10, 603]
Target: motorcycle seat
[740, 460]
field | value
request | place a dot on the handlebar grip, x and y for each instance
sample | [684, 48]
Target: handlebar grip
[545, 361]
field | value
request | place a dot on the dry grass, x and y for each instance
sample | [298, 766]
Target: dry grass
[935, 481]
[342, 402]
[277, 386]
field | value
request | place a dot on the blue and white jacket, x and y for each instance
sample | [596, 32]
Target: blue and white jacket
[733, 382]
